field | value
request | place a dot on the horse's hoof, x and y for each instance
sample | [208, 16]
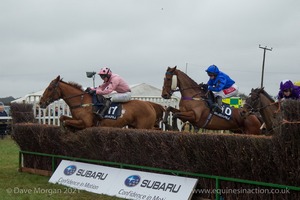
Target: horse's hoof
[168, 127]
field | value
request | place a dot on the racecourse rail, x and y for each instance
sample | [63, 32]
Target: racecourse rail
[217, 179]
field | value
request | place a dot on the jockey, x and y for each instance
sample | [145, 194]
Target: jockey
[288, 90]
[221, 85]
[114, 88]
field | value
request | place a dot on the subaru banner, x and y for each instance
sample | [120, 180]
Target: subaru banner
[123, 183]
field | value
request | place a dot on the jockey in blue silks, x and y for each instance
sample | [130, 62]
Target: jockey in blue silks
[221, 85]
[288, 90]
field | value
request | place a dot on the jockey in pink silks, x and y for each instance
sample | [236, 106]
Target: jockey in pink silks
[114, 88]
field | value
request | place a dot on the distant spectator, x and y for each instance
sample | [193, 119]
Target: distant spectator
[3, 126]
[2, 111]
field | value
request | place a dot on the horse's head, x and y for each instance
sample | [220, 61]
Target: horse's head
[170, 83]
[253, 101]
[176, 80]
[51, 93]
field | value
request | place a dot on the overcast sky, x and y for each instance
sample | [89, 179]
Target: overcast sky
[139, 39]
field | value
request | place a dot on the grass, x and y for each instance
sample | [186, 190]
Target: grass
[25, 186]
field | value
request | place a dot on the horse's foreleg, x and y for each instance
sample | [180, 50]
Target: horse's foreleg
[166, 117]
[72, 123]
[252, 125]
[174, 124]
[167, 113]
[185, 116]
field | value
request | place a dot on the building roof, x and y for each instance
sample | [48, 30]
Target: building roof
[144, 90]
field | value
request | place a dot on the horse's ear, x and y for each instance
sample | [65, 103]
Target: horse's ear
[58, 78]
[175, 67]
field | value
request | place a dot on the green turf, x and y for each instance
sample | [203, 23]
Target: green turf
[25, 186]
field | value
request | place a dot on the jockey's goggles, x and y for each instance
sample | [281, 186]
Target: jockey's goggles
[211, 74]
[103, 76]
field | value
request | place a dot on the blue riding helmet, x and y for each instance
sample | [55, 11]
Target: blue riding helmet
[286, 85]
[213, 69]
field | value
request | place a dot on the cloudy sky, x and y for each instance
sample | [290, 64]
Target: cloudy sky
[139, 39]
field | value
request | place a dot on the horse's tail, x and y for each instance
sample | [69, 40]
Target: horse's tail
[159, 110]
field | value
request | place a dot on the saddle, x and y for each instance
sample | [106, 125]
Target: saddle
[210, 98]
[114, 110]
[98, 101]
[211, 102]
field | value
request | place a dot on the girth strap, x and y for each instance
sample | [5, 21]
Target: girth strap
[207, 120]
[191, 98]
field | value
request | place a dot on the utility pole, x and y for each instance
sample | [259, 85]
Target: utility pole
[186, 65]
[263, 64]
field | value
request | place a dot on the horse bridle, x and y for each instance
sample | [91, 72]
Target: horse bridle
[171, 91]
[51, 99]
[256, 101]
[180, 90]
[55, 88]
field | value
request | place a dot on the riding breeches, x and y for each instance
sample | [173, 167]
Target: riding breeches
[119, 97]
[229, 92]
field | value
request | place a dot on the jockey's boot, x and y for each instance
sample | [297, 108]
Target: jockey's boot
[217, 107]
[105, 108]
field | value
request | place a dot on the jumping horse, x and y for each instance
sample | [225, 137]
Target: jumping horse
[193, 107]
[260, 101]
[134, 114]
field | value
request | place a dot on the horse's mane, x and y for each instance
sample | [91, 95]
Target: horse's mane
[187, 77]
[76, 85]
[190, 83]
[267, 95]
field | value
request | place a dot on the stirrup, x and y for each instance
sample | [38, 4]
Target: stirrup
[102, 112]
[216, 108]
[97, 112]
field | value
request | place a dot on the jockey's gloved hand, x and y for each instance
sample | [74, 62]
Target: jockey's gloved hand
[204, 86]
[92, 92]
[87, 90]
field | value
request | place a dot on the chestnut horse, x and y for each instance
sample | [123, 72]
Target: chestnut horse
[193, 107]
[260, 101]
[135, 113]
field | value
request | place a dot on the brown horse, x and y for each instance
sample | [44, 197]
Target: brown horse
[135, 113]
[260, 101]
[193, 106]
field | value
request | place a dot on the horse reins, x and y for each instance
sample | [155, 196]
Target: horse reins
[187, 98]
[263, 107]
[56, 85]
